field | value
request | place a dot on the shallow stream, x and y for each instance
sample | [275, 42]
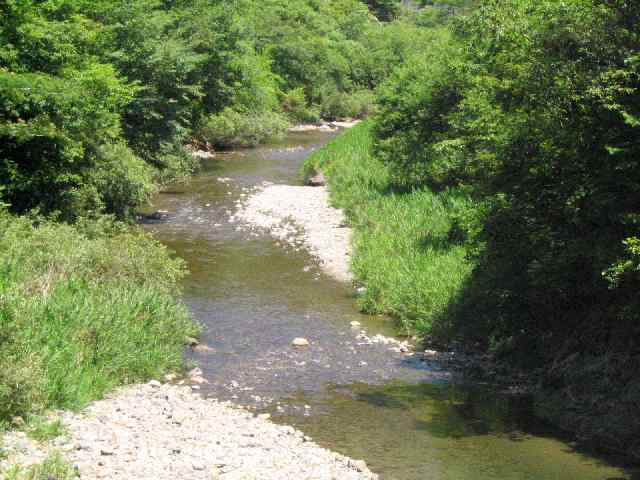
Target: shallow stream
[402, 414]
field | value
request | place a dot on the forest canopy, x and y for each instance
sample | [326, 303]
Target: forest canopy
[99, 99]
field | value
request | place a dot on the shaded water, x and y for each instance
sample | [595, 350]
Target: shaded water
[399, 413]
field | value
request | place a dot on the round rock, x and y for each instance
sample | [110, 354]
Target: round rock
[300, 342]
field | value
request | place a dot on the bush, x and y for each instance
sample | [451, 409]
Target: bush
[341, 105]
[174, 162]
[294, 105]
[232, 128]
[82, 310]
[124, 180]
[52, 467]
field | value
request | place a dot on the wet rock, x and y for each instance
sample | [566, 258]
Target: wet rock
[355, 324]
[359, 465]
[300, 342]
[155, 384]
[17, 422]
[192, 342]
[198, 380]
[317, 180]
[159, 215]
[202, 348]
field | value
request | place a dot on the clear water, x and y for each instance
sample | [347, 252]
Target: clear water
[403, 415]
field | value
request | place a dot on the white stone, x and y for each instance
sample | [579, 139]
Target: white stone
[300, 342]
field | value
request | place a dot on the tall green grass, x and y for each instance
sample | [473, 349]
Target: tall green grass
[83, 309]
[403, 252]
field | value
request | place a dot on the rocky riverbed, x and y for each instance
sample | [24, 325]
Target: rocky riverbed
[167, 432]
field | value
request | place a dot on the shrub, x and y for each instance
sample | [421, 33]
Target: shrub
[52, 467]
[342, 105]
[232, 128]
[123, 179]
[294, 105]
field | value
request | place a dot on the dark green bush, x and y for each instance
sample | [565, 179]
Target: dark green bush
[532, 108]
[341, 105]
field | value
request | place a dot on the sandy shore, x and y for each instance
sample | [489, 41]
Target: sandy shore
[166, 432]
[303, 215]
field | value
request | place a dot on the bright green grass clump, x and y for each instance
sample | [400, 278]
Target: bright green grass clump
[53, 467]
[402, 248]
[83, 309]
[42, 429]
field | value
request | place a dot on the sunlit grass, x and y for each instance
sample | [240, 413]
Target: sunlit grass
[43, 429]
[402, 252]
[83, 309]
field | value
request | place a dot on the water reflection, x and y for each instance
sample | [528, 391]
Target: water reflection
[446, 432]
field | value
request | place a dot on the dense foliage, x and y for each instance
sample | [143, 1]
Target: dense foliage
[532, 109]
[98, 99]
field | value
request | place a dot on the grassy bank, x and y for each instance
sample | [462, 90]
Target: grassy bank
[407, 256]
[83, 309]
[402, 252]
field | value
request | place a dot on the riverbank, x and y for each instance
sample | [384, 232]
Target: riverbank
[411, 257]
[84, 308]
[401, 252]
[168, 432]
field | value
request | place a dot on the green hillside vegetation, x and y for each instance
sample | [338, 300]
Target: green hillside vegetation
[517, 140]
[100, 102]
[99, 99]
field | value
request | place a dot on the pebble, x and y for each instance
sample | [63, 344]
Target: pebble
[300, 342]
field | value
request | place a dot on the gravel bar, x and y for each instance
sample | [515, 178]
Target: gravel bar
[294, 213]
[167, 432]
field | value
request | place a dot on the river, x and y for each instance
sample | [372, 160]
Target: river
[403, 415]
